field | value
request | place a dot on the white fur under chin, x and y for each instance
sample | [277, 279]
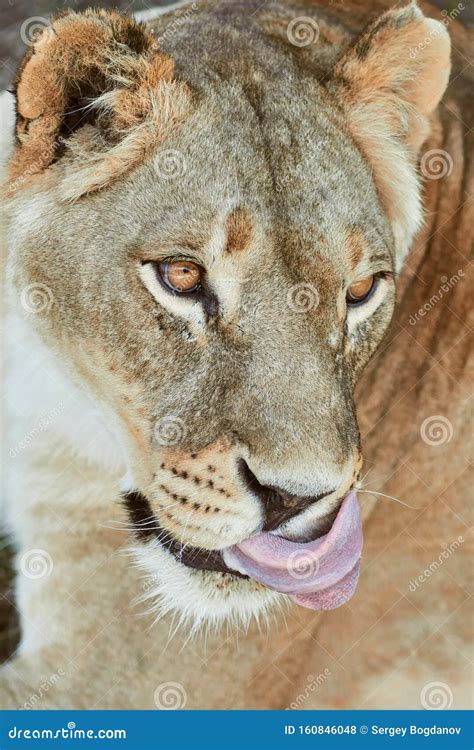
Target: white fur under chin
[201, 600]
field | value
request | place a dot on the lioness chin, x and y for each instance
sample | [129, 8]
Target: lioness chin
[206, 222]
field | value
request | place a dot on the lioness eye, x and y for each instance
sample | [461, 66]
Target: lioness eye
[181, 275]
[360, 290]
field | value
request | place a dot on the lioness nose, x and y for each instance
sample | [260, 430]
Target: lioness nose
[279, 505]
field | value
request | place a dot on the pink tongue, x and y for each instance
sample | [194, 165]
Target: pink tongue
[320, 575]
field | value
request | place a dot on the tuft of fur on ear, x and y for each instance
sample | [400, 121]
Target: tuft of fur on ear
[389, 82]
[95, 91]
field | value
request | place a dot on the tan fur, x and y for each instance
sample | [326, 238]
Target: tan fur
[355, 247]
[389, 101]
[388, 642]
[80, 53]
[239, 231]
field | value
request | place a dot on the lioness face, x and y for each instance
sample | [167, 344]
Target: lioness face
[219, 301]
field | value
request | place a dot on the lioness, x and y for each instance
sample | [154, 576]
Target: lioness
[207, 219]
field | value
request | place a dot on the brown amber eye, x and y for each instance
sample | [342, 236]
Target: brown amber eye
[360, 290]
[181, 275]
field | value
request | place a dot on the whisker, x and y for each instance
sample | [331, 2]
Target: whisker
[130, 529]
[182, 542]
[390, 497]
[362, 479]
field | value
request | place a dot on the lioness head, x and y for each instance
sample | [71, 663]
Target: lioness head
[219, 219]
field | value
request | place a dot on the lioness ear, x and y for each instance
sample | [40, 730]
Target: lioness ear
[389, 82]
[93, 85]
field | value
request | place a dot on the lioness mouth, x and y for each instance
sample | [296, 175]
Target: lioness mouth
[321, 574]
[147, 527]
